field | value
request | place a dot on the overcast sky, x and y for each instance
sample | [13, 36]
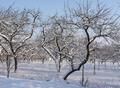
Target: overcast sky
[50, 7]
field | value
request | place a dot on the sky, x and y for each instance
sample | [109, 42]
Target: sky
[50, 7]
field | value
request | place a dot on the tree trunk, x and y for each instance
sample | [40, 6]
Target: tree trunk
[74, 70]
[86, 58]
[72, 64]
[83, 75]
[58, 66]
[94, 72]
[43, 60]
[98, 65]
[8, 66]
[105, 65]
[15, 64]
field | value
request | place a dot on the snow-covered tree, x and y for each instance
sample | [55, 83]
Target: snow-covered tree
[16, 29]
[95, 22]
[55, 39]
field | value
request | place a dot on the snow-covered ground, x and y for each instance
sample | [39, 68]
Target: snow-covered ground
[37, 75]
[23, 83]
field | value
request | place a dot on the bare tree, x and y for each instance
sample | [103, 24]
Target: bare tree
[17, 28]
[5, 57]
[99, 21]
[55, 38]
